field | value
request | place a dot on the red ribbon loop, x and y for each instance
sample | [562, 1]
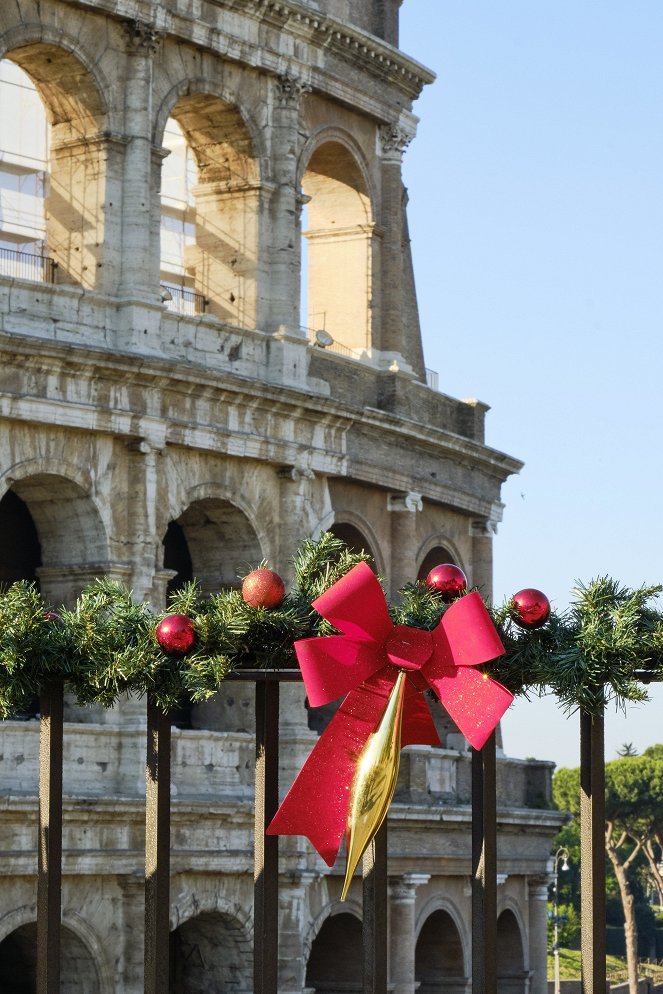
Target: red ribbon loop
[362, 663]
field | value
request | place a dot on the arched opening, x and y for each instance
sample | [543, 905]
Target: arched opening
[336, 958]
[179, 176]
[210, 210]
[439, 963]
[79, 973]
[353, 538]
[210, 952]
[176, 557]
[51, 111]
[435, 557]
[511, 975]
[20, 559]
[68, 531]
[337, 249]
[20, 550]
[23, 177]
[214, 543]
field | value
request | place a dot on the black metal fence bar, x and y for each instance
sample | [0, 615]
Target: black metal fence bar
[484, 870]
[592, 854]
[157, 850]
[49, 872]
[375, 897]
[182, 300]
[26, 266]
[266, 860]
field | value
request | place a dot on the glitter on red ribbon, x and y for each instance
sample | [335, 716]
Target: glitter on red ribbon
[363, 664]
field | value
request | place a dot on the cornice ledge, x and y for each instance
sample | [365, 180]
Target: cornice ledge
[378, 56]
[429, 435]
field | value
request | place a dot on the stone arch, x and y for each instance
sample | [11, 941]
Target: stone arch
[83, 965]
[350, 905]
[441, 954]
[438, 902]
[338, 241]
[220, 539]
[512, 975]
[72, 90]
[211, 946]
[72, 537]
[222, 261]
[437, 549]
[358, 534]
[326, 135]
[190, 903]
[202, 87]
[335, 960]
[85, 87]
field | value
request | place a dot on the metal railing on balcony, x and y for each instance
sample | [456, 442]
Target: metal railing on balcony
[27, 266]
[182, 300]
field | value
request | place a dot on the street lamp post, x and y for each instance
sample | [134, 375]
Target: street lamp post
[562, 855]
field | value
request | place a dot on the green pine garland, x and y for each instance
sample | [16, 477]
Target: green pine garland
[593, 654]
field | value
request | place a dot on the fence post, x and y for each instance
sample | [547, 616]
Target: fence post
[157, 850]
[592, 854]
[49, 853]
[375, 897]
[484, 869]
[266, 866]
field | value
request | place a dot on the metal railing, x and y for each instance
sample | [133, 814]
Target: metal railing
[182, 300]
[26, 266]
[266, 877]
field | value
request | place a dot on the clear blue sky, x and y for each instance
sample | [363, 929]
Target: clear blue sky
[536, 216]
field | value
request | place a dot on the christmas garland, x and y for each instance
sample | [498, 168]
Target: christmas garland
[599, 651]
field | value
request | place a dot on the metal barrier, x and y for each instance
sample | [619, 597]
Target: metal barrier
[374, 870]
[181, 300]
[26, 266]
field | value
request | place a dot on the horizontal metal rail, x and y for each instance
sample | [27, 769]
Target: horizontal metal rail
[19, 265]
[182, 300]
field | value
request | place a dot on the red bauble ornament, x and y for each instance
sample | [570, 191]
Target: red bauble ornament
[263, 588]
[532, 607]
[176, 634]
[448, 580]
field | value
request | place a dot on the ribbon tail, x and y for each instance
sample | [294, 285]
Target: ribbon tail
[418, 725]
[475, 702]
[316, 805]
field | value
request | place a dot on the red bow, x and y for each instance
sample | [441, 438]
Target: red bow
[364, 663]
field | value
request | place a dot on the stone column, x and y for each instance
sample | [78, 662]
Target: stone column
[394, 339]
[129, 913]
[404, 509]
[140, 258]
[285, 209]
[402, 937]
[294, 908]
[483, 530]
[147, 578]
[537, 893]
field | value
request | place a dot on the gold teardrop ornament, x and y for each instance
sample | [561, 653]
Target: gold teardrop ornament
[374, 781]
